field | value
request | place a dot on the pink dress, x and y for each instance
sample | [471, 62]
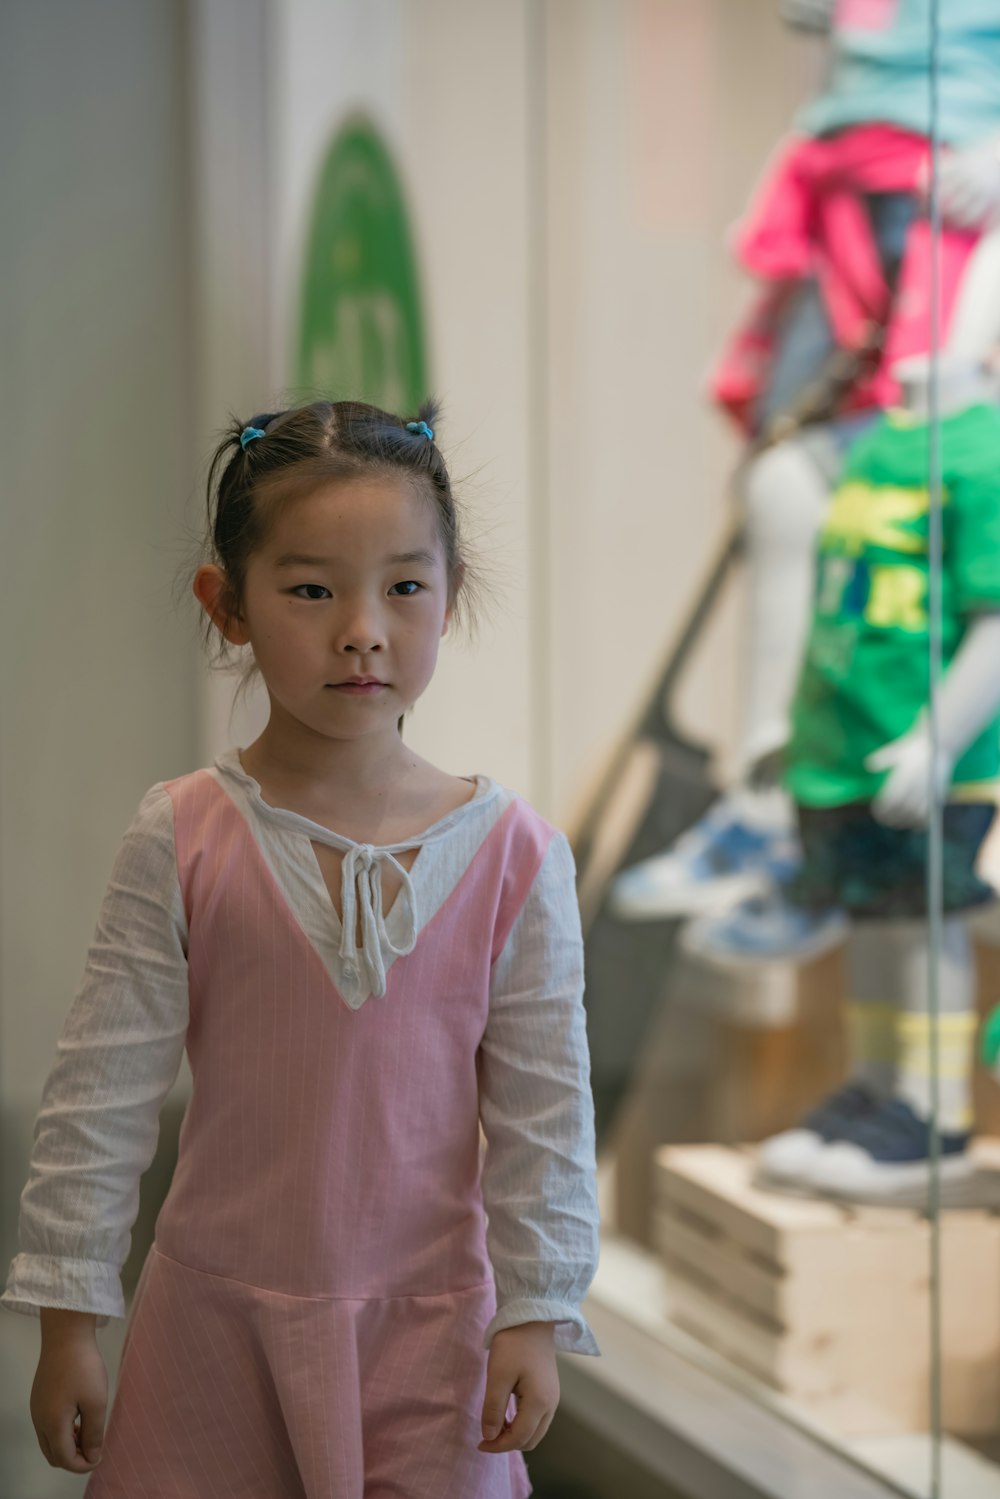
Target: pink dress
[309, 1324]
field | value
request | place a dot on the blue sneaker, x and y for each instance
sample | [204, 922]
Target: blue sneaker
[788, 1159]
[884, 1157]
[764, 929]
[744, 844]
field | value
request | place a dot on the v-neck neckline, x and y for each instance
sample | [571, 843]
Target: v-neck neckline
[325, 932]
[318, 832]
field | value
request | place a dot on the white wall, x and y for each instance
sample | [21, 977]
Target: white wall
[96, 664]
[661, 115]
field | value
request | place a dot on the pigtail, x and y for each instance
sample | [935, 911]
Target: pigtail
[429, 411]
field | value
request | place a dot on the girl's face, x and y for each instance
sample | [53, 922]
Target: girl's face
[351, 582]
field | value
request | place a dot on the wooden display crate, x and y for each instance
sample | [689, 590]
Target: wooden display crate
[829, 1304]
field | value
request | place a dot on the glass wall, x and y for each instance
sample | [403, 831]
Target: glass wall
[786, 869]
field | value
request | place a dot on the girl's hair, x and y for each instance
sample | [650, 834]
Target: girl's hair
[307, 446]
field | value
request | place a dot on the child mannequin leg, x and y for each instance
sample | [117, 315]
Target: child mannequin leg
[747, 841]
[853, 1144]
[890, 966]
[786, 492]
[872, 1012]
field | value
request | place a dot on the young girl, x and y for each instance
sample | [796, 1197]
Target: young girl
[365, 957]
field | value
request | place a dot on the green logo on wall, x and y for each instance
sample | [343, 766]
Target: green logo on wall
[361, 332]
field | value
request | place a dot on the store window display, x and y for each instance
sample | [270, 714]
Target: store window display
[777, 1256]
[780, 1257]
[821, 840]
[839, 238]
[858, 766]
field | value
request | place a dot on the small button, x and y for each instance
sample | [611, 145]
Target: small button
[350, 972]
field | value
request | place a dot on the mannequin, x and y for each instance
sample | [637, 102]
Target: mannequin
[870, 1141]
[743, 845]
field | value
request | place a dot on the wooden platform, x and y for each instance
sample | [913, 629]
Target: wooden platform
[829, 1304]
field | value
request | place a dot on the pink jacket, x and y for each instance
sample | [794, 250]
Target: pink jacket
[808, 219]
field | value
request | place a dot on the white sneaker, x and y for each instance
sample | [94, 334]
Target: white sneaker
[743, 845]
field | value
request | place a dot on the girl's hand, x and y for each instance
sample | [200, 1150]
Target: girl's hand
[71, 1381]
[521, 1362]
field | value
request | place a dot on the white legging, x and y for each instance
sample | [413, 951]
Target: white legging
[889, 968]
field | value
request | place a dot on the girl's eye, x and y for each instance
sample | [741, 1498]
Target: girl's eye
[301, 591]
[409, 584]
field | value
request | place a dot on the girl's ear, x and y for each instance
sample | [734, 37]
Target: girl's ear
[211, 589]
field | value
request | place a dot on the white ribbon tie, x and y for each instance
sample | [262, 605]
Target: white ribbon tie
[361, 894]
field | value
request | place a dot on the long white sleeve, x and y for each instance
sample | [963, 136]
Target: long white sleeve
[536, 1106]
[119, 1053]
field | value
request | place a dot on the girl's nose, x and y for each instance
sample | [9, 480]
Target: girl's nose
[360, 632]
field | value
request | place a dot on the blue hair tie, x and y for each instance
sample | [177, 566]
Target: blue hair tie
[248, 434]
[421, 428]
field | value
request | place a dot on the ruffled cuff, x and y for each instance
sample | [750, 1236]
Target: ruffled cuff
[572, 1335]
[38, 1280]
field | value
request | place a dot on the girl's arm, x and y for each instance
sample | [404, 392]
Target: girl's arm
[118, 1055]
[537, 1111]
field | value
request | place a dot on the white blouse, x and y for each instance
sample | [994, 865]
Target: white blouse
[123, 1042]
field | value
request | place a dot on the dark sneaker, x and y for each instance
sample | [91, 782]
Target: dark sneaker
[884, 1156]
[834, 1118]
[787, 1159]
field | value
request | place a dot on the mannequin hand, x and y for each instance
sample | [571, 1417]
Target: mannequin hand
[904, 800]
[522, 1362]
[969, 185]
